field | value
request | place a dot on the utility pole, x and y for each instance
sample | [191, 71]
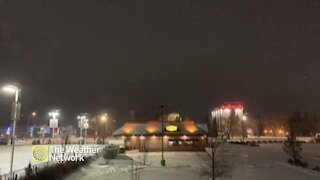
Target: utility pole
[163, 162]
[16, 107]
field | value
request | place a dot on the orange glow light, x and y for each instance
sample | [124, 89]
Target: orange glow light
[265, 131]
[191, 128]
[151, 128]
[128, 128]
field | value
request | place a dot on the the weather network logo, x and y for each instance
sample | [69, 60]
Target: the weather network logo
[40, 153]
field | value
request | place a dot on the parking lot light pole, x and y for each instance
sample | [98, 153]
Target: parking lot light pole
[163, 161]
[54, 122]
[244, 118]
[83, 123]
[104, 118]
[15, 117]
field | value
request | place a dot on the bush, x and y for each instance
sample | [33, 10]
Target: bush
[316, 168]
[298, 163]
[122, 150]
[56, 171]
[99, 141]
[35, 142]
[110, 152]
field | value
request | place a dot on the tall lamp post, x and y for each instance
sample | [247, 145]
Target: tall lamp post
[104, 119]
[163, 161]
[30, 117]
[83, 122]
[16, 106]
[244, 118]
[54, 114]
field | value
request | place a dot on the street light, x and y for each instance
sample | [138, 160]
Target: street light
[244, 118]
[15, 117]
[83, 123]
[54, 114]
[32, 115]
[104, 119]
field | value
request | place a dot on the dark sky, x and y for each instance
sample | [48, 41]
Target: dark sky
[116, 55]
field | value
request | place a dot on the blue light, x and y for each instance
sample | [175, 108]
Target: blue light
[31, 129]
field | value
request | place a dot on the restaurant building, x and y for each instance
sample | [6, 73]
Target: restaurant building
[178, 135]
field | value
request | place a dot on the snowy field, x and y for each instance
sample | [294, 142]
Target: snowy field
[180, 165]
[239, 162]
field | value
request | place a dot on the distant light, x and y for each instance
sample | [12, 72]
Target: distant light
[142, 137]
[10, 89]
[244, 118]
[270, 131]
[184, 137]
[54, 113]
[34, 114]
[8, 131]
[104, 117]
[227, 110]
[265, 131]
[31, 129]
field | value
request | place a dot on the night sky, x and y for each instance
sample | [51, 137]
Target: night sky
[109, 55]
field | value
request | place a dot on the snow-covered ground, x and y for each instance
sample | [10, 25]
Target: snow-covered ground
[269, 162]
[179, 165]
[239, 162]
[22, 157]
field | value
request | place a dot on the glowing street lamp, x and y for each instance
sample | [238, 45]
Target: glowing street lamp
[104, 119]
[54, 114]
[83, 123]
[32, 115]
[244, 118]
[15, 117]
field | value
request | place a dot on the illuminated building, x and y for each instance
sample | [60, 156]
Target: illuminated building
[184, 135]
[228, 117]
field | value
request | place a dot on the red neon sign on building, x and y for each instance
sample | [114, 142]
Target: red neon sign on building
[232, 105]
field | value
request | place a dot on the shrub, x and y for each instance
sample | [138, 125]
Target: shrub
[316, 168]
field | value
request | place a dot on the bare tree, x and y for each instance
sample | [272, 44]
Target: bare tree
[215, 142]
